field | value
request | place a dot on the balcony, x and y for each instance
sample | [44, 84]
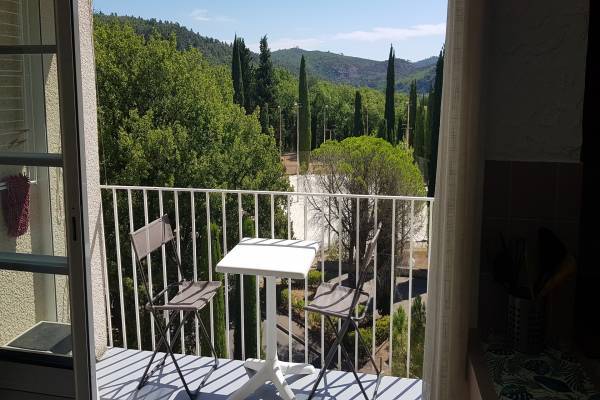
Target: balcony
[208, 223]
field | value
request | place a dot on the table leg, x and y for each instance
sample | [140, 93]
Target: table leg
[271, 369]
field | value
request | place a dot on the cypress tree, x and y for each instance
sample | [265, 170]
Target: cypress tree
[382, 129]
[236, 75]
[304, 118]
[435, 122]
[264, 118]
[265, 82]
[358, 128]
[400, 129]
[412, 112]
[249, 304]
[420, 128]
[427, 144]
[220, 330]
[247, 74]
[389, 115]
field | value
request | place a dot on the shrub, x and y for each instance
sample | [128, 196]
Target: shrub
[314, 278]
[285, 295]
[382, 329]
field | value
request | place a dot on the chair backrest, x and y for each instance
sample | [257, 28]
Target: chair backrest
[151, 237]
[366, 261]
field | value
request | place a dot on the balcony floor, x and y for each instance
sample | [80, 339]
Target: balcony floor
[119, 371]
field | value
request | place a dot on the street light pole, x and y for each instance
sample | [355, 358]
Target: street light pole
[297, 146]
[324, 122]
[280, 142]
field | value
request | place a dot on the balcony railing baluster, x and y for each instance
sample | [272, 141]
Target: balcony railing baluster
[210, 268]
[289, 236]
[179, 277]
[134, 271]
[241, 277]
[410, 272]
[357, 252]
[392, 282]
[106, 291]
[257, 280]
[194, 263]
[163, 255]
[305, 284]
[375, 223]
[119, 268]
[226, 289]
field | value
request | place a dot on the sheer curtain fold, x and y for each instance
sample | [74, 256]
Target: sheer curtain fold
[457, 210]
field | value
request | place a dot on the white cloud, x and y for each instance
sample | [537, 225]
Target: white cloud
[201, 14]
[377, 34]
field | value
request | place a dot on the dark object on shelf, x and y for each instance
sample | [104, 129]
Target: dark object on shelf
[528, 280]
[526, 324]
[15, 203]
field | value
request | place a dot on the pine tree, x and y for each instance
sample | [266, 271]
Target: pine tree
[220, 330]
[389, 114]
[412, 113]
[265, 83]
[304, 117]
[435, 122]
[236, 75]
[358, 128]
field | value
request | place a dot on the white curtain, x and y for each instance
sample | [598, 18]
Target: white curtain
[457, 210]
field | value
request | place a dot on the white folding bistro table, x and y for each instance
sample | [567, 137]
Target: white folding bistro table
[272, 258]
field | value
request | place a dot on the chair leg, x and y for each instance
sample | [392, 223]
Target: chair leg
[147, 375]
[212, 349]
[349, 360]
[163, 339]
[328, 360]
[366, 348]
[173, 343]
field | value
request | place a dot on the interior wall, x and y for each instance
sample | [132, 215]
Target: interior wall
[533, 101]
[535, 79]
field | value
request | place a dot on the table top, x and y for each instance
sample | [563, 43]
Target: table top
[270, 257]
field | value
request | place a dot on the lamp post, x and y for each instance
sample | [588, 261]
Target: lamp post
[297, 144]
[279, 108]
[324, 122]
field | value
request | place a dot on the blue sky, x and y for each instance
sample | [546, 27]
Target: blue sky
[416, 28]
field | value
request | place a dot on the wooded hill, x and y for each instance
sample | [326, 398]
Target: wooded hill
[332, 67]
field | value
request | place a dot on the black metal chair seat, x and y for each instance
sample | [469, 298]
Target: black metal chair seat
[335, 300]
[192, 296]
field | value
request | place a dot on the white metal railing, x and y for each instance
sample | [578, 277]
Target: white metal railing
[309, 205]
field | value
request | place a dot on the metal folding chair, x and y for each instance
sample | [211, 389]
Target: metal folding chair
[190, 298]
[337, 301]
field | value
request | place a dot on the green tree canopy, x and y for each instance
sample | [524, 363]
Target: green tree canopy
[368, 165]
[166, 119]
